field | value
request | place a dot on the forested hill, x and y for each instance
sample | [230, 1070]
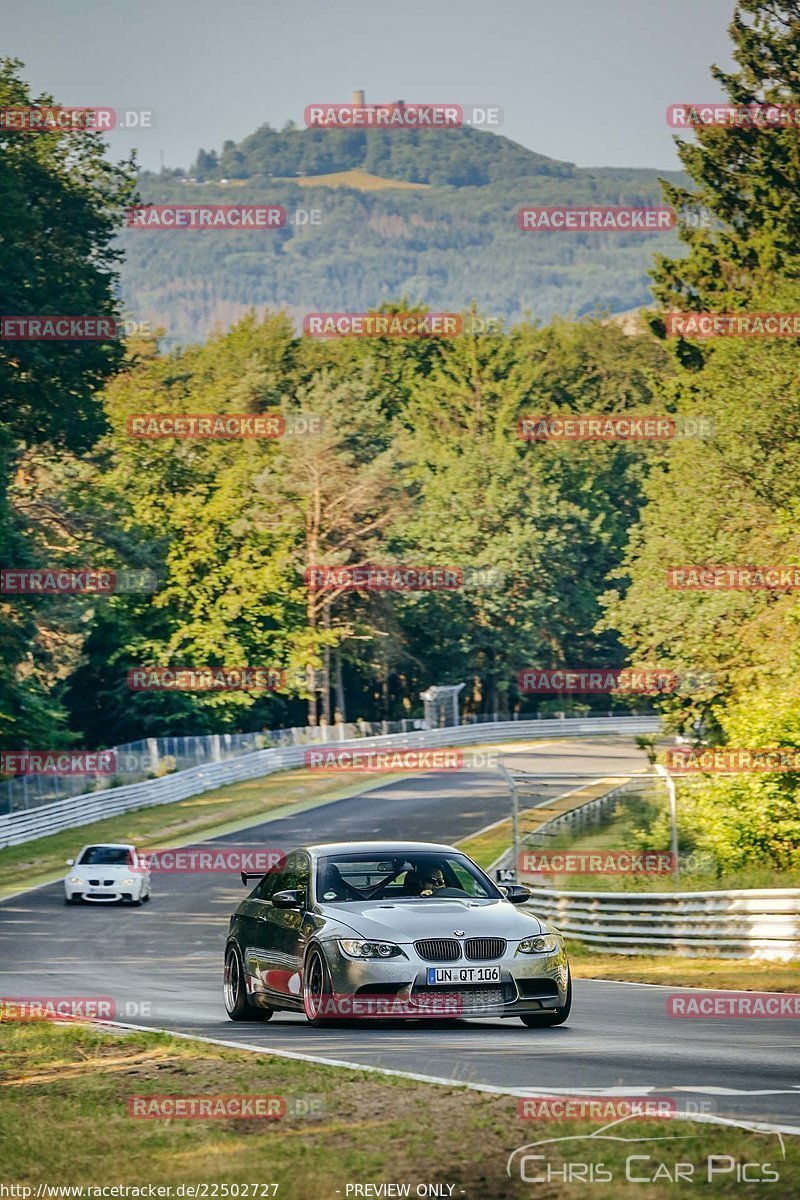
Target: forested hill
[455, 157]
[426, 215]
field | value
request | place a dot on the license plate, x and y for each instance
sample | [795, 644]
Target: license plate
[451, 975]
[97, 892]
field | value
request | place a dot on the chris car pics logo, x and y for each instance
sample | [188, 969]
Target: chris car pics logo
[608, 1156]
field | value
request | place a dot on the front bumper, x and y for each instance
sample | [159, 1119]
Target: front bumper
[112, 894]
[529, 983]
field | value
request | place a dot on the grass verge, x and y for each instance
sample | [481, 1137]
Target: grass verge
[212, 813]
[65, 1090]
[741, 975]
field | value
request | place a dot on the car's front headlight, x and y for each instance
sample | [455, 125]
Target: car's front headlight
[546, 943]
[127, 882]
[74, 879]
[357, 949]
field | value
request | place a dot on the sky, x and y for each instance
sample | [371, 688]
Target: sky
[587, 81]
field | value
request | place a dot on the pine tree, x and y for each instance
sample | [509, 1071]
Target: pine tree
[747, 176]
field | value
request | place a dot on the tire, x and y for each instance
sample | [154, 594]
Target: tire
[72, 900]
[557, 1017]
[146, 898]
[237, 1005]
[317, 988]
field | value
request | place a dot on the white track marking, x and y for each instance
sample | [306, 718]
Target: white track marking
[760, 1126]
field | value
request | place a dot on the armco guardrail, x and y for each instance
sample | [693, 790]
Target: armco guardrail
[19, 827]
[754, 923]
[763, 923]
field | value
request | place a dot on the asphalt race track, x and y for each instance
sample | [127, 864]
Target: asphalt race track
[162, 964]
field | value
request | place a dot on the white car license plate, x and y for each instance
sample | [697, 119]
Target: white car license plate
[97, 892]
[451, 975]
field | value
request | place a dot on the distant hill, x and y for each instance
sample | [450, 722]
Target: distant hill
[472, 159]
[445, 245]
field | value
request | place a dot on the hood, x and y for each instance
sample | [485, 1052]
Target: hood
[408, 920]
[106, 870]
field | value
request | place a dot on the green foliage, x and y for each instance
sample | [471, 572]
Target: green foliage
[443, 248]
[417, 461]
[747, 176]
[735, 499]
[60, 204]
[466, 157]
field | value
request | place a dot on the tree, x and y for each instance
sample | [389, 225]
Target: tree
[338, 495]
[61, 202]
[747, 176]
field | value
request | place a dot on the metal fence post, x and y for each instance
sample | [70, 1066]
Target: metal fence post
[673, 817]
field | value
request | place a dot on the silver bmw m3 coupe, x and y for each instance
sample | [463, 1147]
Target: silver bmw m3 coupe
[387, 930]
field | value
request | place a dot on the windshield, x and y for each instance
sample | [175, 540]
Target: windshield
[354, 878]
[105, 856]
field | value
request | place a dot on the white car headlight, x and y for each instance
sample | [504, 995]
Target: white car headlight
[127, 882]
[357, 949]
[546, 943]
[74, 879]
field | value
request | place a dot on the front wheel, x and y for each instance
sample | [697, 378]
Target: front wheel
[317, 989]
[556, 1017]
[235, 993]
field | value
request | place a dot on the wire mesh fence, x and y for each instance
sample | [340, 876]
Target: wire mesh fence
[152, 758]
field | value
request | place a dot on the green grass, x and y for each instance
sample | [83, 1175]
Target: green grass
[64, 1093]
[741, 975]
[220, 811]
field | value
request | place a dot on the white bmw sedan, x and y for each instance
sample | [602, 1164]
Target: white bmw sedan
[107, 873]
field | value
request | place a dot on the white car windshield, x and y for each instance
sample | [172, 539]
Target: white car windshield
[105, 856]
[358, 877]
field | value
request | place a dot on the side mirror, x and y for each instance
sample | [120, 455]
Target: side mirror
[516, 893]
[70, 862]
[291, 898]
